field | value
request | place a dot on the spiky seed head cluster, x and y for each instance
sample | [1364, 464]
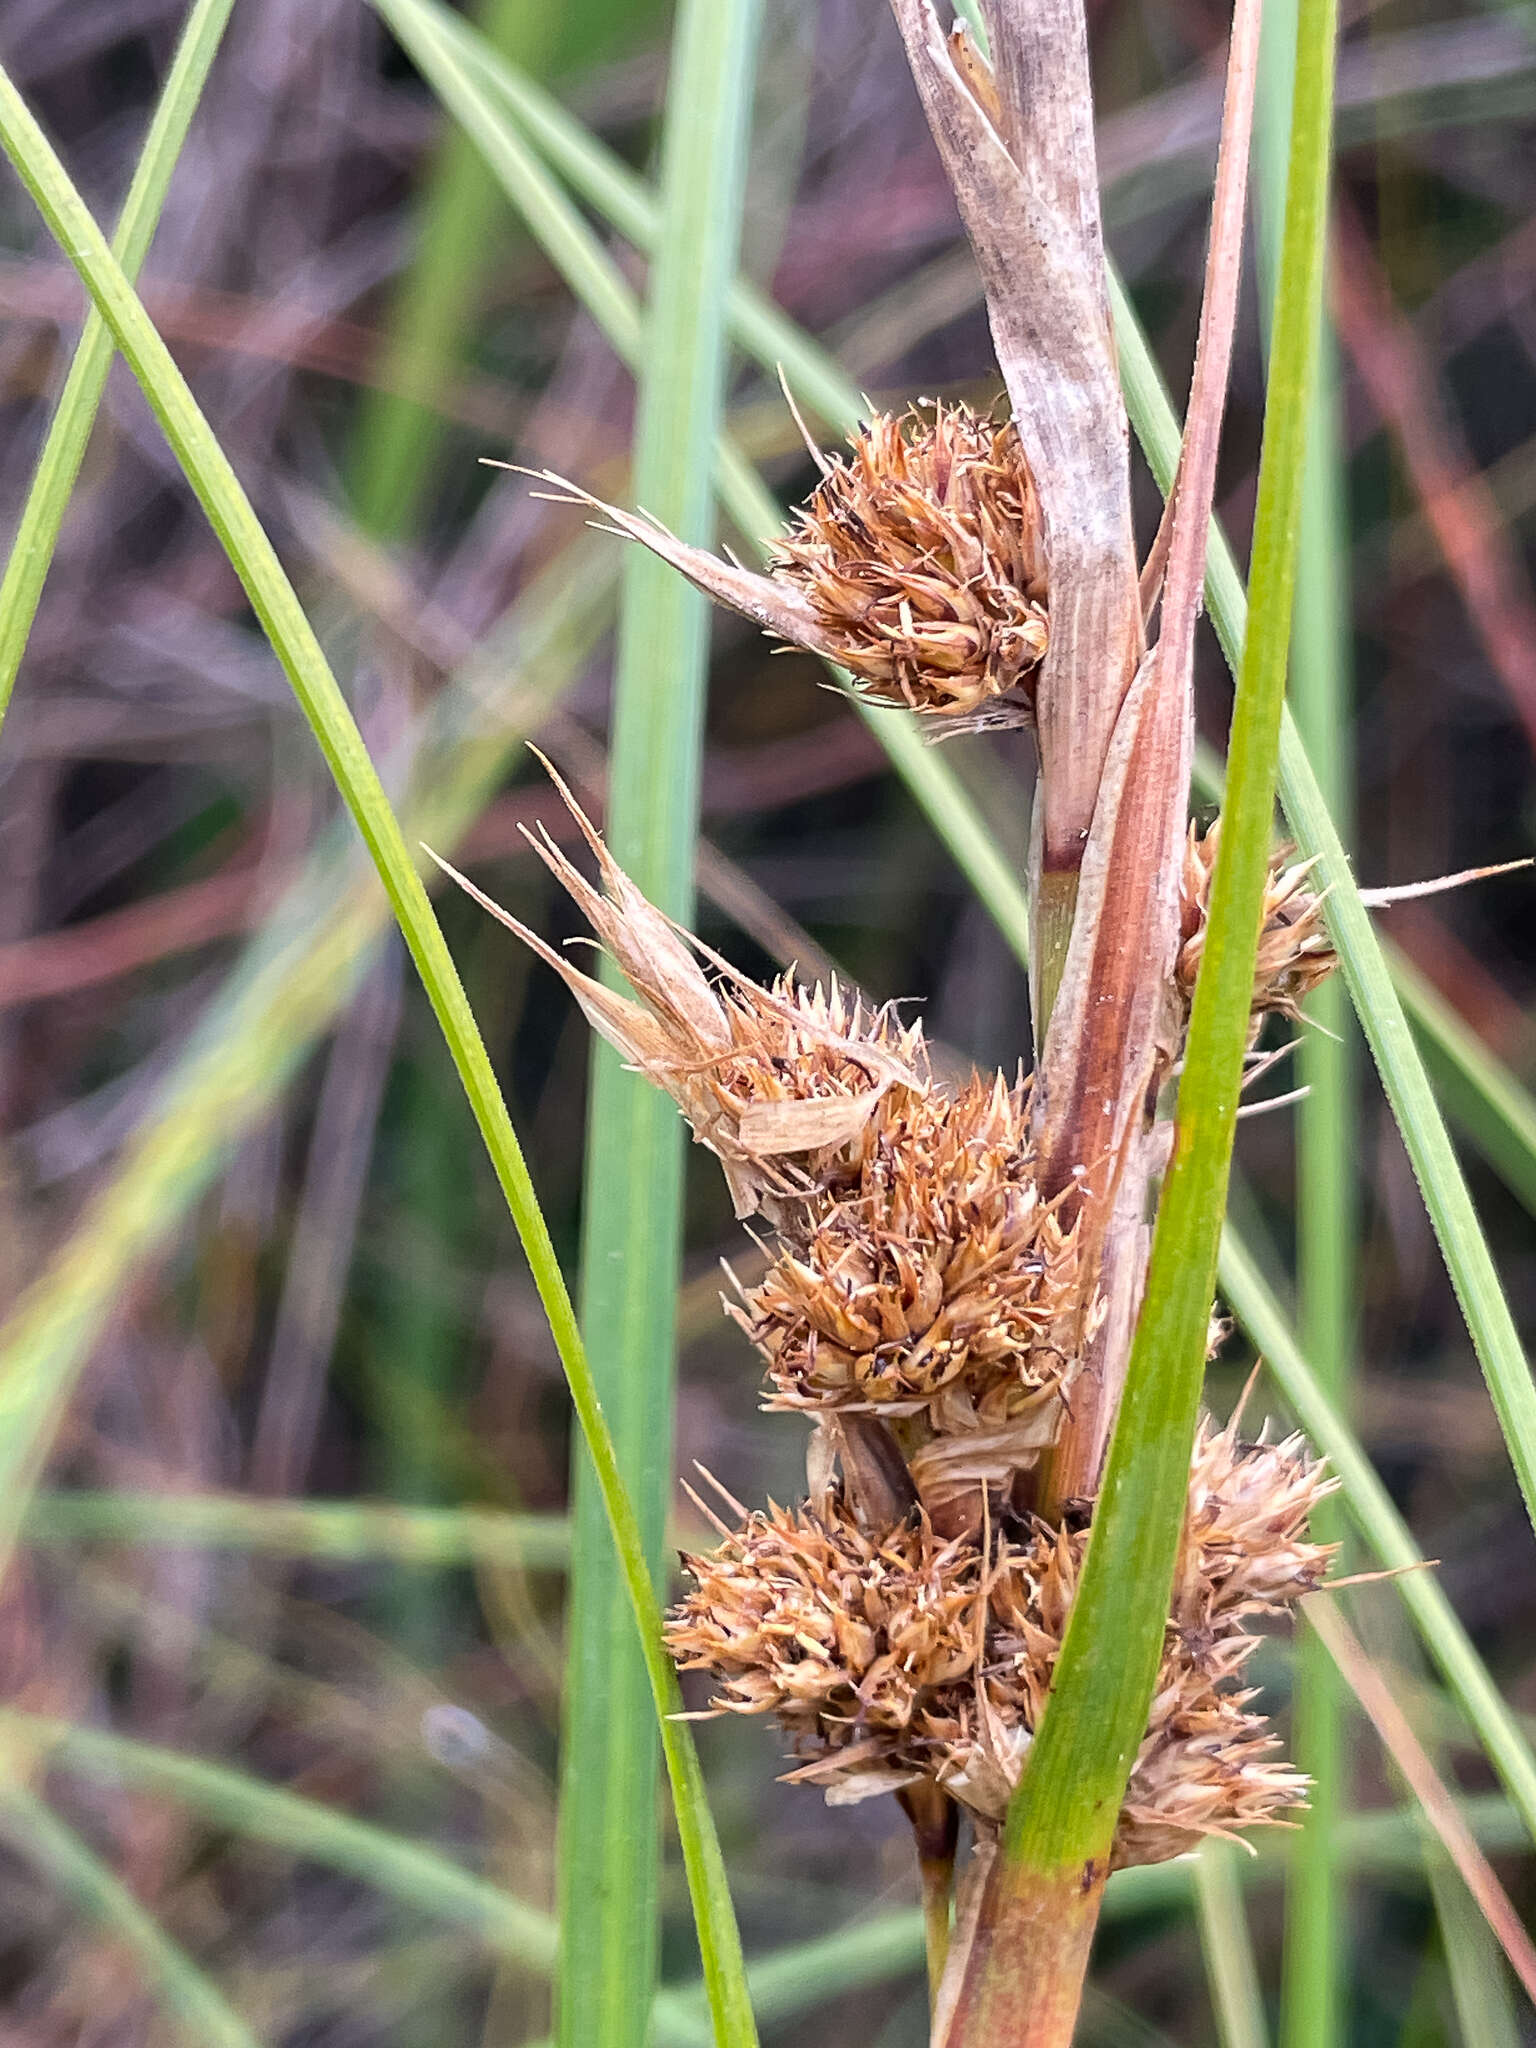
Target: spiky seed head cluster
[920, 554]
[928, 1309]
[918, 565]
[1295, 953]
[892, 1658]
[936, 1266]
[851, 1641]
[917, 1272]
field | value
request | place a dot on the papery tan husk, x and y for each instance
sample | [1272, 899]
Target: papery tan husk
[779, 1083]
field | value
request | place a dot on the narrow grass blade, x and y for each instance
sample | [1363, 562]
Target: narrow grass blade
[201, 2015]
[273, 599]
[1315, 1965]
[1370, 1507]
[1377, 1002]
[454, 241]
[633, 1179]
[64, 450]
[322, 1531]
[1227, 1946]
[300, 1827]
[1327, 1206]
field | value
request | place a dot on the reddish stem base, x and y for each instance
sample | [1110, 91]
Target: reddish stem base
[1016, 1971]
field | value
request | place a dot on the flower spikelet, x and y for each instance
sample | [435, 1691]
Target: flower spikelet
[920, 553]
[1247, 1551]
[940, 1263]
[1295, 953]
[918, 565]
[778, 1082]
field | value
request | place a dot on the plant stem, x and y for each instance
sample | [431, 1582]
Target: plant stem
[1022, 1974]
[1025, 1959]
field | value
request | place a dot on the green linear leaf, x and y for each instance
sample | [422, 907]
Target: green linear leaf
[329, 1530]
[1314, 1963]
[273, 599]
[64, 450]
[633, 1178]
[35, 1832]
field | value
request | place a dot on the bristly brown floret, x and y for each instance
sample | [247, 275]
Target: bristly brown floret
[937, 1265]
[779, 1083]
[921, 555]
[1295, 953]
[918, 566]
[847, 1640]
[896, 1657]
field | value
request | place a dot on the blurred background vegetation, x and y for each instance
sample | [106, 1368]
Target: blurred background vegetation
[309, 1756]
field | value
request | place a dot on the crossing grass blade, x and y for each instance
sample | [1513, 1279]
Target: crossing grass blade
[293, 640]
[633, 1179]
[58, 466]
[202, 2016]
[328, 1531]
[1315, 1960]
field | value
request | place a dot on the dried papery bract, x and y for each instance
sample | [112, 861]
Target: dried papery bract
[779, 1083]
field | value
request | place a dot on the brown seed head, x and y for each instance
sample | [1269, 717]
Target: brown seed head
[920, 554]
[844, 1638]
[937, 1264]
[1294, 950]
[901, 1657]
